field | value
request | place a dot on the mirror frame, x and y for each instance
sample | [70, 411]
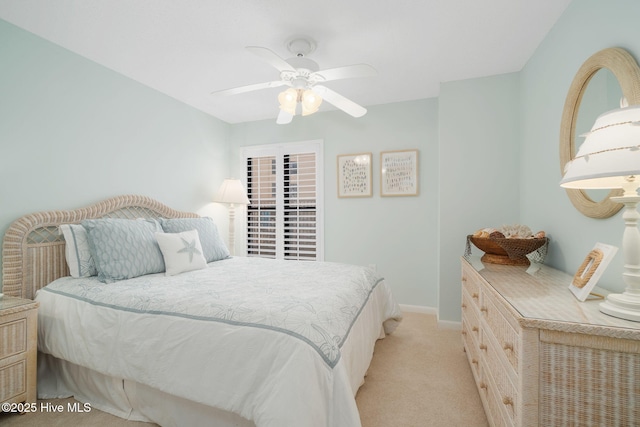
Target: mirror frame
[626, 70]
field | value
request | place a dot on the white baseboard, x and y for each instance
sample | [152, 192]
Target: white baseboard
[418, 309]
[449, 324]
[442, 324]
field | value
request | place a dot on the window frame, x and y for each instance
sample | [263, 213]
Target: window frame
[280, 150]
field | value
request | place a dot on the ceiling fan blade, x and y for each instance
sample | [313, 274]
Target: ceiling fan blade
[284, 117]
[271, 57]
[340, 101]
[249, 88]
[347, 72]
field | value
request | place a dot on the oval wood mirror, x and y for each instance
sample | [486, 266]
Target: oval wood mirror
[626, 71]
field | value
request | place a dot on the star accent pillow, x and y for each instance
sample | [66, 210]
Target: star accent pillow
[181, 251]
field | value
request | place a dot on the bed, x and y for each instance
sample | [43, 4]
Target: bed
[234, 342]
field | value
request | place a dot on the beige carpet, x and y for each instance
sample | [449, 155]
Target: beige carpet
[419, 377]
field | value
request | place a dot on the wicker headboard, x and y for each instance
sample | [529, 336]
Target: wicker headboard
[33, 247]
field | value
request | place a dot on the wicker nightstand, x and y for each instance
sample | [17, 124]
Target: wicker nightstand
[18, 349]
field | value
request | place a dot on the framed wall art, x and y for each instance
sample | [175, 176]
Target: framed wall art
[354, 175]
[399, 173]
[591, 269]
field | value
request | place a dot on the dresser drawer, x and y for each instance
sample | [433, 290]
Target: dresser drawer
[507, 338]
[13, 338]
[493, 402]
[13, 380]
[470, 283]
[471, 332]
[18, 349]
[470, 314]
[472, 349]
[506, 393]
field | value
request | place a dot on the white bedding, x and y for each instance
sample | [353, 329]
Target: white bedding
[265, 339]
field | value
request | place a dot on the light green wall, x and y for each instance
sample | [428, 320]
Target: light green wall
[73, 133]
[586, 27]
[479, 125]
[397, 234]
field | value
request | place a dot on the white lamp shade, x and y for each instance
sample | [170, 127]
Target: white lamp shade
[610, 155]
[232, 191]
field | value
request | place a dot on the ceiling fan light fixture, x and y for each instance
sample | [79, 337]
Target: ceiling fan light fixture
[288, 100]
[310, 102]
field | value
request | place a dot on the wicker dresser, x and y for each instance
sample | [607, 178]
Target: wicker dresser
[542, 358]
[18, 347]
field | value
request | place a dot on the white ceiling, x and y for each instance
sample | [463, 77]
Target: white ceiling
[189, 48]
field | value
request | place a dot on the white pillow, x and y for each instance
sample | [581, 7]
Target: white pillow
[77, 251]
[181, 251]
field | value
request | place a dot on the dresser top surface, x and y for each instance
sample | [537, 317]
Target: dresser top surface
[541, 295]
[9, 305]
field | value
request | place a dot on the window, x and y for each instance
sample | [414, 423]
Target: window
[284, 185]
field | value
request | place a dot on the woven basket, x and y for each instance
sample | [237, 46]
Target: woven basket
[507, 251]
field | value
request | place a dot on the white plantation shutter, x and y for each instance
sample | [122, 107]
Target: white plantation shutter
[261, 213]
[300, 206]
[284, 185]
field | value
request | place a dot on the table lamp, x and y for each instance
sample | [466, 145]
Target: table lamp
[610, 158]
[232, 192]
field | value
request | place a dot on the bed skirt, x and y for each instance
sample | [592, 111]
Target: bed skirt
[126, 399]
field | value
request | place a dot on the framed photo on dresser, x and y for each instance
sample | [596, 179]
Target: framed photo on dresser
[591, 270]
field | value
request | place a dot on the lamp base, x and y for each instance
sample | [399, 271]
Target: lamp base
[625, 306]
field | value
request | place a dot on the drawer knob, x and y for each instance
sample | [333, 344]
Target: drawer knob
[482, 385]
[464, 305]
[474, 329]
[474, 295]
[484, 309]
[474, 361]
[464, 332]
[483, 347]
[464, 278]
[508, 346]
[507, 401]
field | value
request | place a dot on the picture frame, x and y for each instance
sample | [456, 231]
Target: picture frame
[591, 269]
[354, 175]
[399, 173]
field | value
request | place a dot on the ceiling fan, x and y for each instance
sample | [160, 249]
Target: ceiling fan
[304, 79]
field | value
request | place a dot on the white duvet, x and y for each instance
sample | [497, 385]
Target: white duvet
[261, 338]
